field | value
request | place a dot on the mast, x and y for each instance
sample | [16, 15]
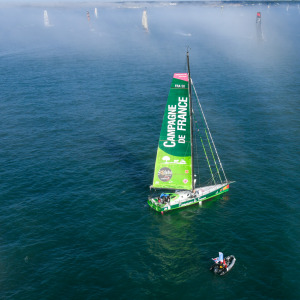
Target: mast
[191, 117]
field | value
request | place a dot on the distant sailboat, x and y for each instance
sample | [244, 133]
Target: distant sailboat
[183, 33]
[145, 20]
[259, 34]
[46, 19]
[89, 21]
[96, 12]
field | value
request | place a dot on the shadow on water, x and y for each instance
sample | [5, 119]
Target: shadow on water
[171, 246]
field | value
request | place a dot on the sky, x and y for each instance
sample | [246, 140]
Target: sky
[99, 1]
[78, 1]
[60, 2]
[82, 1]
[36, 2]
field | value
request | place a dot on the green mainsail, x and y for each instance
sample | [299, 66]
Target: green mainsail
[173, 166]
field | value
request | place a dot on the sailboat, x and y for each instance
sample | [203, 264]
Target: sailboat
[259, 33]
[96, 12]
[145, 21]
[46, 19]
[176, 183]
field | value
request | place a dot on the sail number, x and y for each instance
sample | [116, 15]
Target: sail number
[179, 85]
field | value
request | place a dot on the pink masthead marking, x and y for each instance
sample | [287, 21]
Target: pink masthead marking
[181, 76]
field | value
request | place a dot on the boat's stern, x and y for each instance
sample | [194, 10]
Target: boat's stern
[153, 203]
[161, 204]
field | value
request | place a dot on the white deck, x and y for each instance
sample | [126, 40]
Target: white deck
[199, 192]
[185, 197]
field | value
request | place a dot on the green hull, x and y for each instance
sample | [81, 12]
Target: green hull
[163, 208]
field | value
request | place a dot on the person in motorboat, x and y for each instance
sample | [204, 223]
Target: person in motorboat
[164, 198]
[222, 265]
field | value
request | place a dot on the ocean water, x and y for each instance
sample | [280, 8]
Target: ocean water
[81, 107]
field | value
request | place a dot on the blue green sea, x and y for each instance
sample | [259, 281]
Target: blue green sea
[81, 106]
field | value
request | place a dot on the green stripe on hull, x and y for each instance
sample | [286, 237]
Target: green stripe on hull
[162, 208]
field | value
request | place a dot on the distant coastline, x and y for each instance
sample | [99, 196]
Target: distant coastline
[141, 4]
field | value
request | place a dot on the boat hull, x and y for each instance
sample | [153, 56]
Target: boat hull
[198, 199]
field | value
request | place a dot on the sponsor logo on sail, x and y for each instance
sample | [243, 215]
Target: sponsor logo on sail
[165, 174]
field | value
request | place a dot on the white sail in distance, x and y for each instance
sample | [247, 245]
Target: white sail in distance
[46, 19]
[145, 20]
[96, 12]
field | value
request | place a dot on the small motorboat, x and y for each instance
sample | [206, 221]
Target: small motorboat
[222, 266]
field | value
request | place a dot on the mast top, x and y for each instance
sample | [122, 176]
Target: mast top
[188, 65]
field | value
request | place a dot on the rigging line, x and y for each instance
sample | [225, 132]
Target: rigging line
[212, 174]
[212, 153]
[209, 132]
[211, 150]
[197, 156]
